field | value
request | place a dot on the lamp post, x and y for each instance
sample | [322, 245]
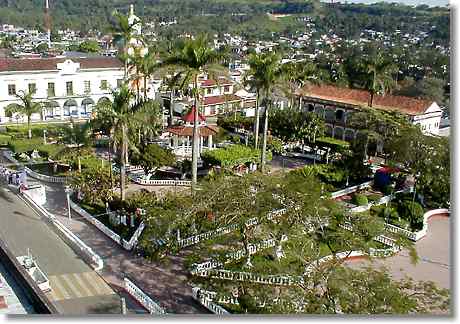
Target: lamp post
[44, 136]
[68, 191]
[417, 175]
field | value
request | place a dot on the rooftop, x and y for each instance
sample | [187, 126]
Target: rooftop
[405, 105]
[47, 64]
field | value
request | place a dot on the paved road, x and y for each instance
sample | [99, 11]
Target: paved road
[434, 252]
[76, 288]
[165, 282]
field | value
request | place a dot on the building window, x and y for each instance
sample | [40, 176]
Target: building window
[32, 87]
[104, 85]
[311, 107]
[87, 87]
[51, 92]
[339, 115]
[119, 83]
[226, 89]
[11, 89]
[209, 91]
[69, 88]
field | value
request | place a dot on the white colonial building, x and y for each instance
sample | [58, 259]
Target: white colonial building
[67, 87]
[336, 104]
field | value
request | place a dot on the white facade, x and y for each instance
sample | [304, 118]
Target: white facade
[78, 85]
[429, 121]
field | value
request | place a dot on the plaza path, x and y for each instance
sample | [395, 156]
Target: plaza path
[165, 282]
[434, 253]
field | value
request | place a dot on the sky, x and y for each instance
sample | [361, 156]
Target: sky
[407, 2]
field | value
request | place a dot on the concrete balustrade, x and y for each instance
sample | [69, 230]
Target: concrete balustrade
[143, 298]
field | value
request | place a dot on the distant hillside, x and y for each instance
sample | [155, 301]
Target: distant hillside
[201, 15]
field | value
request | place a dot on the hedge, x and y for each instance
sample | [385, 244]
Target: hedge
[4, 139]
[233, 155]
[28, 145]
[360, 200]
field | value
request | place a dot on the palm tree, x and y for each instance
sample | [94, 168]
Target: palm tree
[143, 67]
[267, 76]
[253, 81]
[172, 83]
[298, 74]
[79, 135]
[122, 115]
[27, 107]
[190, 59]
[378, 74]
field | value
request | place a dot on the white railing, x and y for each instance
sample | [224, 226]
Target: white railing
[96, 260]
[280, 280]
[207, 302]
[415, 236]
[45, 178]
[107, 231]
[349, 190]
[223, 230]
[143, 298]
[232, 256]
[154, 182]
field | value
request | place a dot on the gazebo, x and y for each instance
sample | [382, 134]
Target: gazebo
[181, 136]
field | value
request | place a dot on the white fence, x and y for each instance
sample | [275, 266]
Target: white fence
[145, 182]
[143, 298]
[95, 259]
[107, 231]
[349, 190]
[415, 236]
[232, 256]
[204, 300]
[279, 280]
[45, 178]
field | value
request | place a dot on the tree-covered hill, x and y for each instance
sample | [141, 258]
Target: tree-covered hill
[216, 15]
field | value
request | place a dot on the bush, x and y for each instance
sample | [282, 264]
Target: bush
[37, 130]
[360, 200]
[4, 139]
[413, 213]
[374, 197]
[29, 145]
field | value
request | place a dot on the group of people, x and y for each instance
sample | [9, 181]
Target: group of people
[11, 177]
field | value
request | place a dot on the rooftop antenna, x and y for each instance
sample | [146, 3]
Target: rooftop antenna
[48, 22]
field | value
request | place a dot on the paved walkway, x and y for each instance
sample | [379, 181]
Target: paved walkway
[433, 251]
[165, 282]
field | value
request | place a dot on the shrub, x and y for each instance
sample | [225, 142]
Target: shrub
[374, 197]
[412, 212]
[360, 200]
[4, 139]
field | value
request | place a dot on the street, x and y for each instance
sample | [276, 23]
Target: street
[76, 287]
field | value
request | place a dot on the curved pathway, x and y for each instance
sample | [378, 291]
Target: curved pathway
[434, 256]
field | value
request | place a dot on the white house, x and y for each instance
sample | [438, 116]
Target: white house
[67, 86]
[335, 104]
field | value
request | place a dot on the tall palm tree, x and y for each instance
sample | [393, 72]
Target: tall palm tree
[122, 115]
[80, 136]
[192, 58]
[172, 83]
[297, 74]
[252, 79]
[267, 77]
[27, 107]
[378, 74]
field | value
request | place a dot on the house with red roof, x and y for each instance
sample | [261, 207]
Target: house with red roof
[69, 87]
[335, 104]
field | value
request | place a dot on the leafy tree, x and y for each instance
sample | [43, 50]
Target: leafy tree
[151, 157]
[89, 46]
[27, 107]
[94, 184]
[41, 48]
[192, 58]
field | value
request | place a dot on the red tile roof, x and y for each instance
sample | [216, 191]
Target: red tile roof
[405, 105]
[212, 83]
[189, 117]
[204, 131]
[42, 64]
[217, 100]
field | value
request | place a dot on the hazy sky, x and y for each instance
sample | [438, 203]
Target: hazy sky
[408, 2]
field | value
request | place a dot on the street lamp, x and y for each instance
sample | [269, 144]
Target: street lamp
[68, 191]
[44, 136]
[417, 175]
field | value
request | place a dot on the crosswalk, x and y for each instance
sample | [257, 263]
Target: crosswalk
[77, 285]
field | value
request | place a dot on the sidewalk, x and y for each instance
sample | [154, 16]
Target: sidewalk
[166, 282]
